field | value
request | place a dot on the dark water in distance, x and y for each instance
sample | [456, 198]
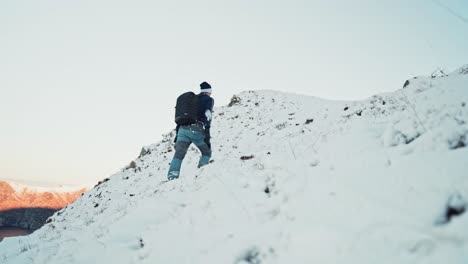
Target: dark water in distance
[13, 231]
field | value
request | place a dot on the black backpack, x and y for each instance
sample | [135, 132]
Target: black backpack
[186, 109]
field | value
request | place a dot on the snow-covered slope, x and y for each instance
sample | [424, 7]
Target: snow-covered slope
[295, 179]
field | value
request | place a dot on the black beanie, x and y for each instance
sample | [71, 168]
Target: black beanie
[205, 87]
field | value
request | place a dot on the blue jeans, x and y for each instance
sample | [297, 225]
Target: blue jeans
[186, 136]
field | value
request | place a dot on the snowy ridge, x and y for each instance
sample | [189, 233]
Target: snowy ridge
[15, 196]
[43, 187]
[295, 179]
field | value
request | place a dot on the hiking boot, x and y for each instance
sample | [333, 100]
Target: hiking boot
[173, 175]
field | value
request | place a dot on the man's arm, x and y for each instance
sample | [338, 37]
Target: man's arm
[209, 116]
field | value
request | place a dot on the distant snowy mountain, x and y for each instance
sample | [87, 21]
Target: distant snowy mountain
[29, 206]
[295, 179]
[15, 195]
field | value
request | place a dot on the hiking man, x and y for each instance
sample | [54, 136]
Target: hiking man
[194, 130]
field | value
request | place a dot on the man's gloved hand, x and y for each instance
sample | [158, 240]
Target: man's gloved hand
[175, 139]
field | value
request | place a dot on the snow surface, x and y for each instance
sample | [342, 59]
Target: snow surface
[369, 184]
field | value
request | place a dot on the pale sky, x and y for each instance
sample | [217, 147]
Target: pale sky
[85, 84]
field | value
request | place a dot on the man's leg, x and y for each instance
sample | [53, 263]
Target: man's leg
[181, 147]
[204, 149]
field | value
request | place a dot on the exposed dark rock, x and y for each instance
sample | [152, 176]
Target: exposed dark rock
[247, 157]
[459, 142]
[456, 205]
[144, 152]
[281, 126]
[308, 121]
[132, 165]
[438, 73]
[406, 83]
[464, 70]
[409, 139]
[100, 182]
[234, 101]
[250, 256]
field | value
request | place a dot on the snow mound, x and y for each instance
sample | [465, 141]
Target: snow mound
[295, 179]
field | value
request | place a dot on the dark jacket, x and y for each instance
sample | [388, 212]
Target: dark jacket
[206, 103]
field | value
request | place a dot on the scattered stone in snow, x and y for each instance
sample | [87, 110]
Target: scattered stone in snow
[281, 126]
[101, 182]
[234, 101]
[132, 165]
[251, 256]
[464, 70]
[346, 108]
[247, 157]
[144, 152]
[456, 205]
[406, 83]
[460, 141]
[393, 137]
[142, 244]
[438, 73]
[308, 121]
